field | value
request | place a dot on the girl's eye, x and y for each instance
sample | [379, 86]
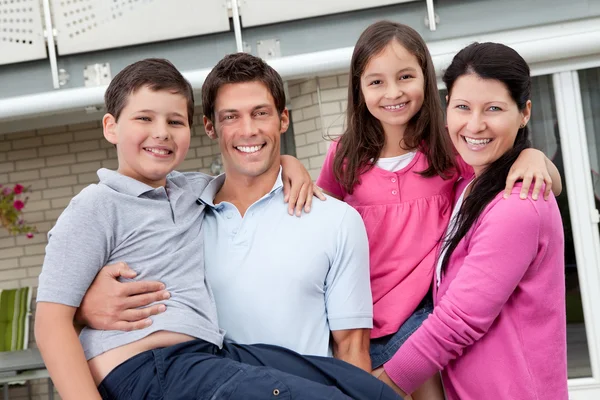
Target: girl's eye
[404, 77]
[462, 107]
[143, 118]
[375, 82]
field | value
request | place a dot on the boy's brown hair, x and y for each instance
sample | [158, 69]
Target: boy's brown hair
[240, 68]
[154, 73]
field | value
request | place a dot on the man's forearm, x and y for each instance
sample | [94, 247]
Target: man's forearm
[357, 357]
[352, 346]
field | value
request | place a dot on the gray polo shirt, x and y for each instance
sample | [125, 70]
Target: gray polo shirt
[157, 232]
[283, 280]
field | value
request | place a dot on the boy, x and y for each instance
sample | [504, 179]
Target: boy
[147, 215]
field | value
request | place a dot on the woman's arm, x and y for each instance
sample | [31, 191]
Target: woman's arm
[501, 249]
[62, 353]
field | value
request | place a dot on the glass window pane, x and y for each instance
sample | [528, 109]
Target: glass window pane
[545, 136]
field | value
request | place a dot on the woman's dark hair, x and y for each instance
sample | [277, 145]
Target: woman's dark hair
[497, 62]
[362, 142]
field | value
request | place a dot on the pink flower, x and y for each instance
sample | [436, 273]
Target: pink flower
[18, 189]
[29, 235]
[7, 191]
[18, 205]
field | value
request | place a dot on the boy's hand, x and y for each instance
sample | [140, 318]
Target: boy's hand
[298, 187]
[112, 305]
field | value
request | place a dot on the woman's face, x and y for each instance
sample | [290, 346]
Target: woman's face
[483, 120]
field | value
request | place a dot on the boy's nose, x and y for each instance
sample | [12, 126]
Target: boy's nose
[160, 134]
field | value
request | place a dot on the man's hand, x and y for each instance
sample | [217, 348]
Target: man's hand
[112, 305]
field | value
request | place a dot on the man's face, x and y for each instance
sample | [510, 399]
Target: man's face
[248, 127]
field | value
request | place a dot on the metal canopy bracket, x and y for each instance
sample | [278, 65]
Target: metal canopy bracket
[431, 19]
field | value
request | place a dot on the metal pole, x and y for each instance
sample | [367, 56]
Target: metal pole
[237, 27]
[51, 46]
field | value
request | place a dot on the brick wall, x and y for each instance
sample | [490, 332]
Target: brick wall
[58, 162]
[318, 107]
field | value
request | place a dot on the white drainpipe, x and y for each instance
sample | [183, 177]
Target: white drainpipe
[556, 42]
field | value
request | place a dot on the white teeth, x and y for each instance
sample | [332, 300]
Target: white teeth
[162, 152]
[395, 107]
[249, 149]
[477, 141]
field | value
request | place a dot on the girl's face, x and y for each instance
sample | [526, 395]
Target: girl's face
[393, 85]
[483, 120]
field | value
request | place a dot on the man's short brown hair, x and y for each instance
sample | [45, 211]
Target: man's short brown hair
[240, 68]
[154, 73]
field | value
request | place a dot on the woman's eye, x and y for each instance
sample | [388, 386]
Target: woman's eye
[495, 108]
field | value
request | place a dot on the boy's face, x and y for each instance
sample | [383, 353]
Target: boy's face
[152, 135]
[248, 127]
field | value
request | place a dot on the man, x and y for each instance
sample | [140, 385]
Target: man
[276, 279]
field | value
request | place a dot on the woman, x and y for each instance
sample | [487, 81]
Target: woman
[498, 327]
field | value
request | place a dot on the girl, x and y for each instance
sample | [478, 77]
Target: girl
[396, 166]
[498, 329]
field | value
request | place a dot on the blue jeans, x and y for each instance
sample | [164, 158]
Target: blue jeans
[383, 348]
[198, 370]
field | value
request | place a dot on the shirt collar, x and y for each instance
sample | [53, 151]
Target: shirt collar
[211, 190]
[133, 187]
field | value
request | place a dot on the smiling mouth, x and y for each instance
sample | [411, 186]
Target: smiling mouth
[250, 149]
[476, 142]
[395, 107]
[159, 152]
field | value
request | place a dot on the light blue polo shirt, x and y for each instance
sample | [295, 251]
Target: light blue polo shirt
[284, 280]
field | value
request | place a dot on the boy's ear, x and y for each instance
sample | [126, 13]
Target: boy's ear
[109, 125]
[209, 127]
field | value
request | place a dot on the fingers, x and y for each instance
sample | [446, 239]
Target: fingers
[510, 183]
[293, 198]
[301, 200]
[141, 314]
[318, 192]
[119, 269]
[143, 300]
[548, 190]
[132, 326]
[286, 190]
[527, 179]
[136, 288]
[537, 186]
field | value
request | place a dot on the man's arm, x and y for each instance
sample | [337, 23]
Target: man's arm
[348, 292]
[352, 346]
[112, 305]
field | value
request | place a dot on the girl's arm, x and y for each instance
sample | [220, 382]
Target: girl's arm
[533, 165]
[475, 297]
[63, 355]
[298, 187]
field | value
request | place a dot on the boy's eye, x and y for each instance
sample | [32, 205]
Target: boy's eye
[176, 122]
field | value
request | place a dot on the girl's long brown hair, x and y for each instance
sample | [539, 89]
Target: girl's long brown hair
[363, 139]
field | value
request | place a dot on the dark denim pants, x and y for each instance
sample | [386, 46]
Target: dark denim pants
[200, 371]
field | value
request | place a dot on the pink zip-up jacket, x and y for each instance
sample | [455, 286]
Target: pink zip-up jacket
[498, 330]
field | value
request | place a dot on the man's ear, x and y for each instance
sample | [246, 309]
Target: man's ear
[209, 127]
[285, 121]
[109, 126]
